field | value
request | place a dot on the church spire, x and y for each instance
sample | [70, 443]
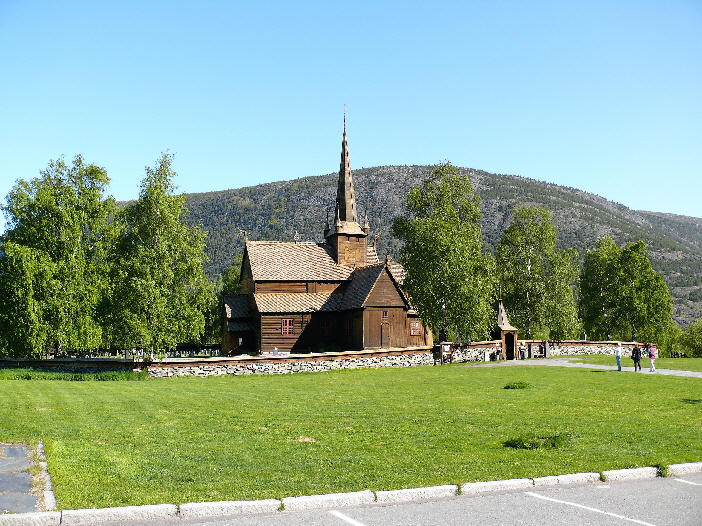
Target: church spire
[345, 198]
[347, 238]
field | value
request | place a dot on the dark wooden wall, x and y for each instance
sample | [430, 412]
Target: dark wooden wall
[308, 332]
[280, 287]
[375, 325]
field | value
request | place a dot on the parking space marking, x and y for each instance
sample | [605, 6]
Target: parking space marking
[589, 509]
[688, 482]
[345, 518]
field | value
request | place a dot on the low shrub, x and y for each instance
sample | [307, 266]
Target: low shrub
[663, 470]
[518, 385]
[539, 442]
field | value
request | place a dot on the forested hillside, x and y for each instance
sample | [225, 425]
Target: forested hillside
[277, 210]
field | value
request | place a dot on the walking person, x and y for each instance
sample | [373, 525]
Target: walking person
[636, 356]
[618, 355]
[652, 355]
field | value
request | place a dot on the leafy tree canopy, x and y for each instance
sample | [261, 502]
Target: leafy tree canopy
[536, 280]
[449, 279]
[691, 339]
[161, 291]
[60, 229]
[621, 296]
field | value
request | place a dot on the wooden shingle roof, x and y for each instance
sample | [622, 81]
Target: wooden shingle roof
[364, 279]
[239, 326]
[362, 282]
[398, 271]
[371, 255]
[236, 306]
[284, 261]
[297, 302]
[502, 319]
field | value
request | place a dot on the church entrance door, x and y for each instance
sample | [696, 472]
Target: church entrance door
[510, 347]
[385, 336]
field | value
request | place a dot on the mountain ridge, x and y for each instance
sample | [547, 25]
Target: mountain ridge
[278, 210]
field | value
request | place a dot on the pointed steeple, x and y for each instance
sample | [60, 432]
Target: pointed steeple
[502, 319]
[345, 197]
[347, 238]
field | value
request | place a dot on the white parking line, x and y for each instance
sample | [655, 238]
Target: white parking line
[589, 509]
[345, 518]
[688, 482]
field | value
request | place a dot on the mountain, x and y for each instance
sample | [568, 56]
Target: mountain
[276, 211]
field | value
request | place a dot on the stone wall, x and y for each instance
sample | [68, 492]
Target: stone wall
[295, 364]
[308, 363]
[482, 351]
[477, 352]
[570, 348]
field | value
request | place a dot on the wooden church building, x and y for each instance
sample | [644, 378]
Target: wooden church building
[299, 297]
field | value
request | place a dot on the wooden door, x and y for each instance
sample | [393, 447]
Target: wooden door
[385, 335]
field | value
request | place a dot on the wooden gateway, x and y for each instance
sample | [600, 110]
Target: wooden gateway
[506, 333]
[316, 297]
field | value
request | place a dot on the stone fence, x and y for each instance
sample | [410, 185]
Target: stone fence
[289, 363]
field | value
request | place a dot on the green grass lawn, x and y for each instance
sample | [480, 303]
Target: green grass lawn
[237, 438]
[681, 364]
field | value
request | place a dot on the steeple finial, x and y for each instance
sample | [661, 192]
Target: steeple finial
[345, 198]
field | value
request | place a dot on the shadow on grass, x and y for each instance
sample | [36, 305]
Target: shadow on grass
[691, 401]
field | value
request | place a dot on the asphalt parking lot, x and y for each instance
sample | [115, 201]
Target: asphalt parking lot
[652, 502]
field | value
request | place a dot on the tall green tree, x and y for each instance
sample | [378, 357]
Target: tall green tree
[161, 293]
[562, 307]
[691, 339]
[536, 280]
[669, 340]
[450, 279]
[600, 291]
[646, 303]
[54, 256]
[25, 275]
[621, 296]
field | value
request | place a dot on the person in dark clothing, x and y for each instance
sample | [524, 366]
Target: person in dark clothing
[636, 356]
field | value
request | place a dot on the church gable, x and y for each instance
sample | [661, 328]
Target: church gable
[373, 286]
[385, 293]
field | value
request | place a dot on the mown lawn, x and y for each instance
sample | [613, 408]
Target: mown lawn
[681, 364]
[230, 438]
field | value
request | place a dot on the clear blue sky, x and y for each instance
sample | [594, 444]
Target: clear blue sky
[604, 96]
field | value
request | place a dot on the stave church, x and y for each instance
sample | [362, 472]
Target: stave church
[301, 297]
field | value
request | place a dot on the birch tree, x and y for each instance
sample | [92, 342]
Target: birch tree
[53, 261]
[161, 293]
[536, 280]
[621, 296]
[450, 279]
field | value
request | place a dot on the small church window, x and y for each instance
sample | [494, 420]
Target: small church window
[386, 315]
[287, 326]
[415, 328]
[325, 327]
[347, 327]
